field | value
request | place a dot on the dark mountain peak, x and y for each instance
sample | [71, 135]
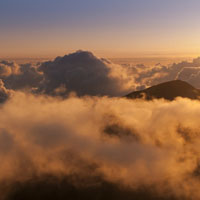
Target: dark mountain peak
[167, 90]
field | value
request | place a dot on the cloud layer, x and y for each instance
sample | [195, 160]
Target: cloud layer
[92, 143]
[84, 74]
[129, 143]
[145, 76]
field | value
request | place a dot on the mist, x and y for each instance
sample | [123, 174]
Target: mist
[67, 131]
[129, 143]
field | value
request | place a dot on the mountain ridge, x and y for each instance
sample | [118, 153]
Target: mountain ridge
[167, 90]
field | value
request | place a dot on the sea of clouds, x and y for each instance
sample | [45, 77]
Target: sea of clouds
[64, 124]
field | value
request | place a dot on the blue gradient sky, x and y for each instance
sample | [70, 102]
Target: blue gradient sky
[110, 28]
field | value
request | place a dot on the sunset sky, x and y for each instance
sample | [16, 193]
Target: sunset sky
[109, 28]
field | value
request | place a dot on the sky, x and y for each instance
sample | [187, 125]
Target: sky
[109, 28]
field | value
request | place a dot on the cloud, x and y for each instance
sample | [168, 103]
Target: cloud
[145, 76]
[191, 75]
[80, 72]
[131, 144]
[91, 146]
[4, 93]
[85, 74]
[19, 77]
[7, 68]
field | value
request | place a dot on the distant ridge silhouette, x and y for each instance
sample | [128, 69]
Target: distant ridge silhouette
[167, 90]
